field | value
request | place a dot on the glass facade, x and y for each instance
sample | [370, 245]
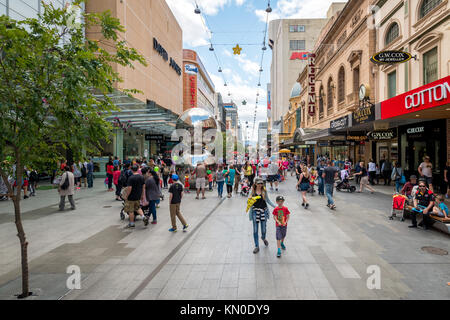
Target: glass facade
[23, 9]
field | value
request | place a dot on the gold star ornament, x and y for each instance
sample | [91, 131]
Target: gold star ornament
[237, 50]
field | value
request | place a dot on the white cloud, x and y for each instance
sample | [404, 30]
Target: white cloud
[297, 9]
[247, 65]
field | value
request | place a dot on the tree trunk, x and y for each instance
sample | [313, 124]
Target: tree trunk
[20, 230]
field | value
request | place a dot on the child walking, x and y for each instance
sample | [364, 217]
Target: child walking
[281, 215]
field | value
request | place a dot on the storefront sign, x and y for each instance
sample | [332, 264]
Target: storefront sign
[312, 84]
[356, 138]
[193, 91]
[339, 124]
[299, 56]
[382, 135]
[391, 57]
[338, 143]
[323, 144]
[363, 114]
[311, 142]
[163, 53]
[415, 130]
[432, 95]
[190, 69]
[154, 137]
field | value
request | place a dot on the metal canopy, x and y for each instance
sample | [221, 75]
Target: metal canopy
[149, 117]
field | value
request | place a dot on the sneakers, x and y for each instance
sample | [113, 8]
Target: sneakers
[256, 250]
[154, 222]
[303, 204]
[266, 243]
[130, 226]
[145, 219]
[173, 230]
[185, 227]
[413, 226]
[279, 253]
[25, 197]
[283, 246]
[306, 205]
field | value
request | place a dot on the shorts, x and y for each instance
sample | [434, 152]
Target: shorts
[304, 186]
[429, 180]
[200, 183]
[272, 178]
[365, 180]
[132, 206]
[281, 232]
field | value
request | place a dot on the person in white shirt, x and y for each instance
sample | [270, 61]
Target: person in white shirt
[372, 169]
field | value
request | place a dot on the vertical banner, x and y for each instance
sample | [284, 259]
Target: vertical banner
[312, 84]
[269, 101]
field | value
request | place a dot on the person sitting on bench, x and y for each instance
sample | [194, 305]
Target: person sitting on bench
[407, 189]
[440, 209]
[423, 203]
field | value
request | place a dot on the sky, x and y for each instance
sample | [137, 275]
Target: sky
[243, 22]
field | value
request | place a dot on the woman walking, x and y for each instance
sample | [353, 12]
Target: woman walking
[220, 179]
[248, 172]
[364, 179]
[259, 212]
[152, 192]
[303, 181]
[398, 176]
[110, 173]
[230, 174]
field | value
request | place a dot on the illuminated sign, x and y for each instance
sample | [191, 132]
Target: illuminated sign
[312, 84]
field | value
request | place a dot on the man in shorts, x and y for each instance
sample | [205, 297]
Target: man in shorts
[273, 175]
[200, 182]
[135, 186]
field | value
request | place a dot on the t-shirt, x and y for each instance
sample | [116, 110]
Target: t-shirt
[249, 170]
[443, 208]
[230, 177]
[200, 171]
[273, 169]
[426, 169]
[330, 173]
[280, 215]
[176, 190]
[372, 166]
[109, 169]
[424, 199]
[220, 176]
[136, 181]
[364, 172]
[152, 189]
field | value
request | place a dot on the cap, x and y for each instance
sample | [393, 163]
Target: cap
[413, 177]
[280, 198]
[175, 177]
[259, 181]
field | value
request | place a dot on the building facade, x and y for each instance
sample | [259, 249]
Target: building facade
[23, 9]
[198, 88]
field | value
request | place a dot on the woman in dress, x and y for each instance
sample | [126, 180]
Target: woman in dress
[303, 182]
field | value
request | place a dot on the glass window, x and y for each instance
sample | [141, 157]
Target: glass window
[297, 44]
[22, 9]
[296, 28]
[392, 34]
[300, 28]
[341, 83]
[292, 29]
[2, 7]
[430, 66]
[427, 6]
[392, 84]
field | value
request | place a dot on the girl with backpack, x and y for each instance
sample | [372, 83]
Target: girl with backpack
[303, 182]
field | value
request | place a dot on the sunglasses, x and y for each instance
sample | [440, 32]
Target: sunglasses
[422, 186]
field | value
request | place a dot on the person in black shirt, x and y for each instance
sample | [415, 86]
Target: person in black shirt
[320, 168]
[135, 186]
[447, 178]
[424, 202]
[176, 194]
[364, 179]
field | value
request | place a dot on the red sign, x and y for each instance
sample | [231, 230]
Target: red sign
[299, 56]
[312, 84]
[432, 95]
[193, 91]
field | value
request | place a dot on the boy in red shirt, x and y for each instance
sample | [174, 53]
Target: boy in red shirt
[281, 215]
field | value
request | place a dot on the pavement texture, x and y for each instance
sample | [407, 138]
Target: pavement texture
[330, 254]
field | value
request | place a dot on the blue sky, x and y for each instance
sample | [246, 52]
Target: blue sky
[239, 22]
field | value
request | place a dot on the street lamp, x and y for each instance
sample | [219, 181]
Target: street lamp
[197, 9]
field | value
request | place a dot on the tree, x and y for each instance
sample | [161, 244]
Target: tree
[53, 92]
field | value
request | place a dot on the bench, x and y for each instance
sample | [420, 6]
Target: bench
[441, 223]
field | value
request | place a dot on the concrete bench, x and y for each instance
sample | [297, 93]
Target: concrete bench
[441, 223]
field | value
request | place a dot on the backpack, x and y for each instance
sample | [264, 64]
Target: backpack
[123, 178]
[166, 171]
[83, 170]
[66, 183]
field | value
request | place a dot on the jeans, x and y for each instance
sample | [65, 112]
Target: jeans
[152, 208]
[90, 180]
[255, 230]
[118, 189]
[62, 202]
[165, 178]
[329, 191]
[110, 180]
[398, 186]
[220, 187]
[321, 186]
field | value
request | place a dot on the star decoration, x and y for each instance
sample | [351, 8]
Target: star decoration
[237, 50]
[244, 102]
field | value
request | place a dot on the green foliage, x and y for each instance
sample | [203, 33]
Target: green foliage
[54, 84]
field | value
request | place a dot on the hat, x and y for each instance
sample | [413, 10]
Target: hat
[259, 181]
[413, 177]
[175, 177]
[280, 198]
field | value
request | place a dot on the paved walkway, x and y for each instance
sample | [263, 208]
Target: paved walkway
[327, 256]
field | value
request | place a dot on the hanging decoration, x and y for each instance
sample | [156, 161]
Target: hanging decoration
[237, 50]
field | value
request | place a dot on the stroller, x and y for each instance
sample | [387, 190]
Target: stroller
[122, 211]
[245, 188]
[345, 185]
[398, 206]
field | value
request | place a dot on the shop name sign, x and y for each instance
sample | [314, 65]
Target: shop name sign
[154, 137]
[357, 138]
[339, 124]
[430, 95]
[312, 84]
[190, 69]
[363, 115]
[163, 53]
[416, 130]
[391, 57]
[382, 135]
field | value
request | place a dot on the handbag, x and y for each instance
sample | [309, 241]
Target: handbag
[403, 179]
[66, 183]
[123, 193]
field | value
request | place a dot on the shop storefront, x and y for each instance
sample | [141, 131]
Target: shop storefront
[384, 145]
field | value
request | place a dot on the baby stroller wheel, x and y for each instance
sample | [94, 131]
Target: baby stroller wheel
[352, 189]
[122, 216]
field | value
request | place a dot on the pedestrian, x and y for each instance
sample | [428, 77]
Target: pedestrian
[281, 215]
[153, 192]
[378, 174]
[66, 188]
[248, 172]
[321, 184]
[303, 182]
[116, 176]
[200, 181]
[426, 172]
[372, 171]
[134, 189]
[364, 179]
[229, 176]
[77, 174]
[259, 212]
[186, 183]
[90, 173]
[357, 176]
[447, 179]
[398, 176]
[330, 173]
[165, 175]
[33, 179]
[386, 169]
[116, 162]
[273, 175]
[237, 178]
[176, 195]
[210, 179]
[83, 166]
[423, 203]
[220, 179]
[109, 174]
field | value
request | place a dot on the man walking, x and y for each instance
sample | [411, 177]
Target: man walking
[66, 188]
[200, 182]
[386, 169]
[273, 175]
[90, 173]
[330, 173]
[320, 168]
[176, 194]
[135, 186]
